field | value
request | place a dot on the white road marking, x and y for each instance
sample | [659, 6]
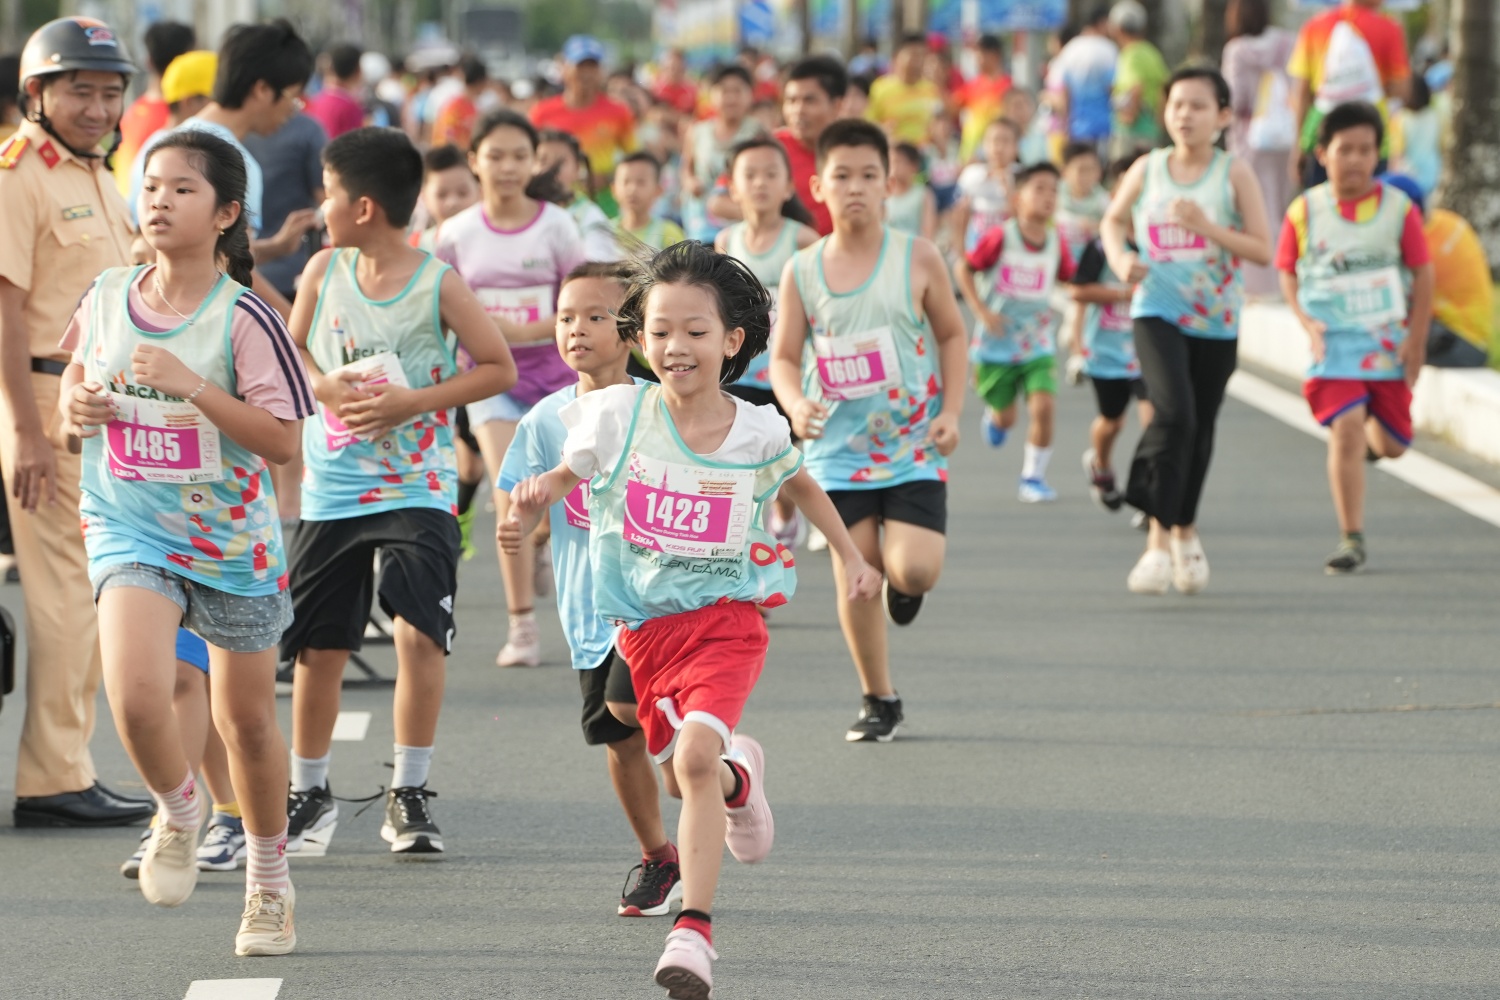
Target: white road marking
[233, 989]
[1414, 468]
[351, 726]
[315, 845]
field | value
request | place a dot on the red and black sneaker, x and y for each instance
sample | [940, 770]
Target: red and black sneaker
[656, 889]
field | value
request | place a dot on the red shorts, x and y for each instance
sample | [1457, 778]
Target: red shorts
[698, 666]
[1387, 400]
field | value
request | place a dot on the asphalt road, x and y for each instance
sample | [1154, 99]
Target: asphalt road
[1096, 794]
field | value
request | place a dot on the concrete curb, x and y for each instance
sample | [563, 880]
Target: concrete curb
[1459, 405]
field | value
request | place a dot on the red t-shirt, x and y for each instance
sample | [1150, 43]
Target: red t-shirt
[338, 111]
[604, 128]
[1293, 241]
[986, 253]
[682, 95]
[804, 166]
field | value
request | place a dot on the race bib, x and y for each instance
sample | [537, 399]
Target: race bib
[383, 368]
[576, 506]
[1370, 298]
[682, 510]
[162, 443]
[858, 366]
[1167, 241]
[1022, 279]
[518, 305]
[1114, 317]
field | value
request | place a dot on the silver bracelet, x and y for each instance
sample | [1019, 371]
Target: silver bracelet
[202, 384]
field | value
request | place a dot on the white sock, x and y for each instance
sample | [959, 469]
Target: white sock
[309, 772]
[1035, 464]
[412, 765]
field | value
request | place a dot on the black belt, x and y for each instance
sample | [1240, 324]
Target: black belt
[46, 366]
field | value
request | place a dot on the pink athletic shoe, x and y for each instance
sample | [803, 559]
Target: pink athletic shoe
[686, 968]
[751, 827]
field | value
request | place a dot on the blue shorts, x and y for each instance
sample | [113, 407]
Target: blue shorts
[191, 649]
[230, 621]
[501, 407]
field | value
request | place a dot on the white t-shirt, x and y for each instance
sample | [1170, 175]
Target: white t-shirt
[987, 193]
[598, 426]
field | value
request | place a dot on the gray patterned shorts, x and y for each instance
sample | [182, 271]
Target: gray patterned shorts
[229, 621]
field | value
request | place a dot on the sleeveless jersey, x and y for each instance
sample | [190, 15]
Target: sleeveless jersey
[1191, 283]
[413, 465]
[161, 485]
[1019, 290]
[671, 531]
[1078, 218]
[1108, 337]
[904, 211]
[872, 362]
[767, 268]
[1352, 278]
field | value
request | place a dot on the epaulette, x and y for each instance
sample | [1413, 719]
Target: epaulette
[12, 151]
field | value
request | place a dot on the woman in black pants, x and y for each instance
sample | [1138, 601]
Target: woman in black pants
[1194, 212]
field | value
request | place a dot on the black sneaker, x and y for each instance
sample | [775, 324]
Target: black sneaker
[901, 608]
[657, 888]
[308, 812]
[878, 721]
[1349, 557]
[408, 826]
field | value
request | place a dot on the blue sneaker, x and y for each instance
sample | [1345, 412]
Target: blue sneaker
[1035, 491]
[223, 847]
[993, 434]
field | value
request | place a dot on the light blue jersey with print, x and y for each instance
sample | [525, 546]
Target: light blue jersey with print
[161, 484]
[254, 183]
[1018, 289]
[537, 448]
[1352, 277]
[767, 268]
[413, 465]
[1191, 282]
[1108, 331]
[871, 360]
[672, 531]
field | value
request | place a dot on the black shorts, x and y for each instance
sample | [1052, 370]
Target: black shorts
[462, 430]
[1114, 395]
[923, 503]
[333, 577]
[609, 681]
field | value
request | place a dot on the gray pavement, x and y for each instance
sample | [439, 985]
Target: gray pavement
[1096, 795]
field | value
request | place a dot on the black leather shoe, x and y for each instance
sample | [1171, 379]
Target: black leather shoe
[134, 801]
[90, 807]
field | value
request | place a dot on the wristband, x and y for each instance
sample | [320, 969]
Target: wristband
[202, 384]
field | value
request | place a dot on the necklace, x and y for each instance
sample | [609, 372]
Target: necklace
[156, 279]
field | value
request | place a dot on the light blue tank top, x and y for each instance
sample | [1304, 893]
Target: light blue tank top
[1019, 289]
[767, 268]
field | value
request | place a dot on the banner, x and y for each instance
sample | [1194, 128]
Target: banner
[998, 16]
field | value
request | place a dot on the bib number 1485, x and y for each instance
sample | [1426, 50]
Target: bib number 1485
[145, 445]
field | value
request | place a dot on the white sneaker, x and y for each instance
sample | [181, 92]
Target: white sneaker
[169, 868]
[1189, 566]
[816, 540]
[1152, 573]
[266, 926]
[686, 967]
[524, 647]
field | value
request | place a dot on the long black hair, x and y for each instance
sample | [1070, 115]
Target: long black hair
[792, 208]
[224, 168]
[575, 148]
[543, 186]
[742, 301]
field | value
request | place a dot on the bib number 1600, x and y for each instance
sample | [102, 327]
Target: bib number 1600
[674, 512]
[848, 371]
[143, 444]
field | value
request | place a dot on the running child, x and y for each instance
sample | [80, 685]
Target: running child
[876, 399]
[637, 189]
[183, 386]
[513, 249]
[1019, 266]
[381, 475]
[448, 187]
[588, 338]
[1196, 213]
[678, 473]
[776, 225]
[985, 189]
[1081, 198]
[1355, 268]
[911, 207]
[706, 151]
[560, 154]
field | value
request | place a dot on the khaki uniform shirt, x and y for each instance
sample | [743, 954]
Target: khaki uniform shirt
[62, 221]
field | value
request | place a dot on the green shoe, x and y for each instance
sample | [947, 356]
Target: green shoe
[466, 534]
[1349, 557]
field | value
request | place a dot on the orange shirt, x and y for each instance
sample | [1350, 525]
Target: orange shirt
[143, 119]
[604, 129]
[1464, 298]
[1384, 35]
[455, 123]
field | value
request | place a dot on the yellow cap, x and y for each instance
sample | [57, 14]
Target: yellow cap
[189, 75]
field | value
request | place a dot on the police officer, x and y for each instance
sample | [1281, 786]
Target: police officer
[62, 221]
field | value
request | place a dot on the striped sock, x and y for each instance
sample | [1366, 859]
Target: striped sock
[180, 804]
[265, 862]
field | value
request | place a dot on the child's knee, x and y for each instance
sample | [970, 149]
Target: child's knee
[915, 577]
[1006, 418]
[696, 758]
[630, 748]
[626, 712]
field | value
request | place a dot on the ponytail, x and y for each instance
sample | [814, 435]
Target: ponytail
[223, 167]
[233, 249]
[546, 187]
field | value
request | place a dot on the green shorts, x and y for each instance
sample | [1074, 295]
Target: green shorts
[999, 385]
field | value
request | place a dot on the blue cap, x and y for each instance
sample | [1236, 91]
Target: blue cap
[1439, 75]
[1407, 186]
[582, 48]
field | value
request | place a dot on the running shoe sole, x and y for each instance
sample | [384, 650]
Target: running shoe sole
[232, 864]
[674, 895]
[322, 822]
[417, 843]
[681, 984]
[915, 603]
[855, 736]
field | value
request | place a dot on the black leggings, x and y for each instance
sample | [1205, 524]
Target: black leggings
[1185, 381]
